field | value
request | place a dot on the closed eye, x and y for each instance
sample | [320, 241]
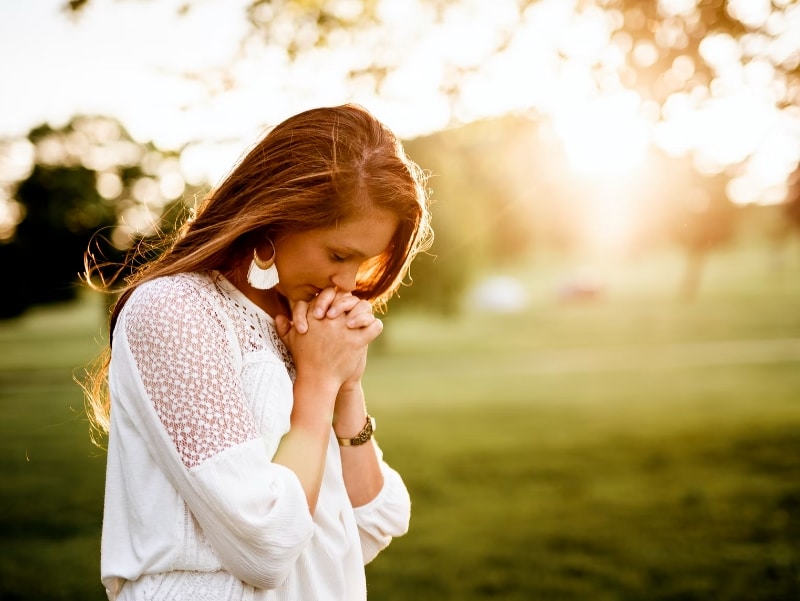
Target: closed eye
[336, 258]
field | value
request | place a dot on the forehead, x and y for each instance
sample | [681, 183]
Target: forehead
[367, 235]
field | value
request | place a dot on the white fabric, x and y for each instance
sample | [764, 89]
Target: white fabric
[201, 394]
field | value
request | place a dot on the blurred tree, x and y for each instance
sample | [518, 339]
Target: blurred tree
[792, 203]
[90, 186]
[687, 54]
[677, 55]
[695, 212]
[668, 46]
[482, 209]
[676, 46]
[62, 210]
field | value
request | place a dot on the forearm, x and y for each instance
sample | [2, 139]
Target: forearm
[304, 447]
[360, 466]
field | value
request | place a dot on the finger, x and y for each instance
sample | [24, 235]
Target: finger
[343, 304]
[362, 308]
[360, 320]
[323, 302]
[371, 331]
[282, 326]
[300, 316]
[375, 328]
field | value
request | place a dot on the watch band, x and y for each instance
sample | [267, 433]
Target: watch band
[361, 437]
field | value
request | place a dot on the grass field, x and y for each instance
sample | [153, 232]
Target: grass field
[632, 448]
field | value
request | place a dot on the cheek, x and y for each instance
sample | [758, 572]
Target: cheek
[304, 263]
[305, 271]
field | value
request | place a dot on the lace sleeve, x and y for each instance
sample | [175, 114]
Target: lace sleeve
[182, 352]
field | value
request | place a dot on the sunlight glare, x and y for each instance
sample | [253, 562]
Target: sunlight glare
[753, 13]
[604, 136]
[135, 221]
[548, 20]
[720, 50]
[742, 190]
[763, 177]
[682, 8]
[587, 37]
[733, 127]
[11, 214]
[16, 159]
[109, 185]
[675, 134]
[472, 30]
[523, 76]
[611, 219]
[645, 54]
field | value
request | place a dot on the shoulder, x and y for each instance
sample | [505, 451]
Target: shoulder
[175, 295]
[172, 288]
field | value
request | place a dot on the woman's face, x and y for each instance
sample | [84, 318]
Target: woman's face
[312, 260]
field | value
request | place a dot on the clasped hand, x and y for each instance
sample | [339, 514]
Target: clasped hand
[329, 335]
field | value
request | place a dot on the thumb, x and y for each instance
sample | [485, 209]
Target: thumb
[282, 326]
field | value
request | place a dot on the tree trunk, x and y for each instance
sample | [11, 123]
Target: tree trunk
[692, 274]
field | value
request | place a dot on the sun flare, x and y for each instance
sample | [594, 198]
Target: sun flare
[606, 136]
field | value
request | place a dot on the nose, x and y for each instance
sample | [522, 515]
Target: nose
[345, 279]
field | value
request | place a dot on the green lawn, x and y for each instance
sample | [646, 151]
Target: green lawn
[634, 448]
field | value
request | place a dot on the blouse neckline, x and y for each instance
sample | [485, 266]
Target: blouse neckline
[240, 297]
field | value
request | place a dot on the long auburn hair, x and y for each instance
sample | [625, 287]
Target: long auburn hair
[316, 169]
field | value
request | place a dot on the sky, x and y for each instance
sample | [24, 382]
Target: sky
[127, 59]
[121, 59]
[55, 65]
[124, 58]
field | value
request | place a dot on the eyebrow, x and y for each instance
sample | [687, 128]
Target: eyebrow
[350, 250]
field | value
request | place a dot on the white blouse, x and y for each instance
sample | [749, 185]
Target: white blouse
[201, 394]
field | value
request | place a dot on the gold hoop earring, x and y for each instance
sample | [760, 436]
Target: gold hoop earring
[263, 275]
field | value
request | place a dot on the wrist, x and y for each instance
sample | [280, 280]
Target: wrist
[314, 402]
[349, 416]
[348, 425]
[350, 411]
[361, 437]
[314, 384]
[350, 393]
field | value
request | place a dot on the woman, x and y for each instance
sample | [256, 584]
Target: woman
[241, 463]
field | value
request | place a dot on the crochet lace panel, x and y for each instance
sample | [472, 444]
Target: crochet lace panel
[255, 331]
[180, 342]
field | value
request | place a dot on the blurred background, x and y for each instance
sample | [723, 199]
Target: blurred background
[592, 387]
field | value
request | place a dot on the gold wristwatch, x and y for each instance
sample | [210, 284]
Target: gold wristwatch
[361, 437]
